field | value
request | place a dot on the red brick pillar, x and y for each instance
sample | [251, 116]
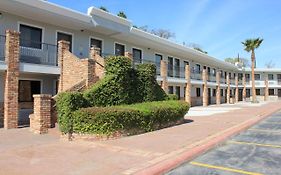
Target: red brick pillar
[266, 89]
[40, 121]
[244, 87]
[163, 74]
[228, 88]
[63, 46]
[129, 55]
[236, 89]
[188, 85]
[218, 89]
[205, 88]
[99, 64]
[11, 105]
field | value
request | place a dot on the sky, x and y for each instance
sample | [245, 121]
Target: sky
[218, 26]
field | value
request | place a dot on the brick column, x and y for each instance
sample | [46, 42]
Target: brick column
[218, 94]
[62, 47]
[266, 89]
[40, 121]
[205, 88]
[236, 89]
[188, 85]
[244, 87]
[129, 55]
[11, 110]
[163, 74]
[96, 71]
[228, 88]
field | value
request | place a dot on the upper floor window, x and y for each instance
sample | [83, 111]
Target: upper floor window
[257, 76]
[66, 37]
[119, 49]
[279, 77]
[170, 67]
[158, 59]
[137, 55]
[30, 36]
[270, 77]
[247, 77]
[177, 68]
[97, 44]
[197, 68]
[240, 76]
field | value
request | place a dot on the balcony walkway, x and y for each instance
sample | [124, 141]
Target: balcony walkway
[25, 153]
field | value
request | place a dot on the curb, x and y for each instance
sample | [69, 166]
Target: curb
[169, 164]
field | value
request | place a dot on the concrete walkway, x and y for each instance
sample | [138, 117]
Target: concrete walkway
[22, 152]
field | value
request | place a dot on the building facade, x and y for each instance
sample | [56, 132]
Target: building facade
[30, 59]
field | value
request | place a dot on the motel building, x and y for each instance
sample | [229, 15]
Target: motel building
[46, 49]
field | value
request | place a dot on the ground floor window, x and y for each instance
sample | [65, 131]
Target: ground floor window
[271, 91]
[258, 92]
[178, 90]
[248, 94]
[214, 92]
[184, 89]
[171, 89]
[27, 89]
[198, 92]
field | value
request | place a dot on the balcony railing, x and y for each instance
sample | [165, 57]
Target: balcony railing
[2, 47]
[196, 75]
[212, 78]
[38, 53]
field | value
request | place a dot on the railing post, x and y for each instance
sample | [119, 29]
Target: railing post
[188, 85]
[266, 89]
[163, 74]
[244, 87]
[228, 88]
[236, 89]
[218, 94]
[12, 57]
[205, 88]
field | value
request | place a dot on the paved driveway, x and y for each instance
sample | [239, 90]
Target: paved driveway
[255, 151]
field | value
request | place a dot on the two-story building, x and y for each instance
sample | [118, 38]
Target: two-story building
[36, 27]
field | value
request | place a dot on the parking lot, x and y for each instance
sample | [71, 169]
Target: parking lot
[255, 151]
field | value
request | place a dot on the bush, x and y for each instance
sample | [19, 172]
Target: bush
[128, 119]
[172, 97]
[68, 102]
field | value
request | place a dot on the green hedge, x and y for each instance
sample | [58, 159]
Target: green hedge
[127, 119]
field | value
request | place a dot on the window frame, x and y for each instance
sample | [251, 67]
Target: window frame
[102, 43]
[270, 93]
[270, 78]
[19, 23]
[119, 44]
[198, 92]
[31, 79]
[67, 33]
[259, 75]
[139, 49]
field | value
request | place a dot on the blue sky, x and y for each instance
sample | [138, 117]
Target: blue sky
[218, 26]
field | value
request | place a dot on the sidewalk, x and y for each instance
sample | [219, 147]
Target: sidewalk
[22, 152]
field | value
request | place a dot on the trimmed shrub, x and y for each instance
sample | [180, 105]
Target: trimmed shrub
[68, 102]
[128, 119]
[118, 65]
[172, 97]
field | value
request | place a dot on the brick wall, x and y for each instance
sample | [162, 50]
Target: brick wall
[73, 70]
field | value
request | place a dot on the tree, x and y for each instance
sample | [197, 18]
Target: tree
[122, 15]
[269, 64]
[163, 33]
[104, 8]
[243, 61]
[250, 45]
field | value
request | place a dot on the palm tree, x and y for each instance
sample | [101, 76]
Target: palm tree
[250, 45]
[122, 14]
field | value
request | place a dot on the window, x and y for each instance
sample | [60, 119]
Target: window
[240, 76]
[214, 92]
[271, 91]
[30, 36]
[170, 67]
[198, 92]
[119, 49]
[27, 89]
[257, 76]
[270, 77]
[158, 59]
[171, 89]
[137, 55]
[97, 44]
[247, 76]
[248, 93]
[222, 92]
[178, 88]
[177, 68]
[209, 70]
[65, 37]
[258, 92]
[184, 90]
[197, 68]
[279, 77]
